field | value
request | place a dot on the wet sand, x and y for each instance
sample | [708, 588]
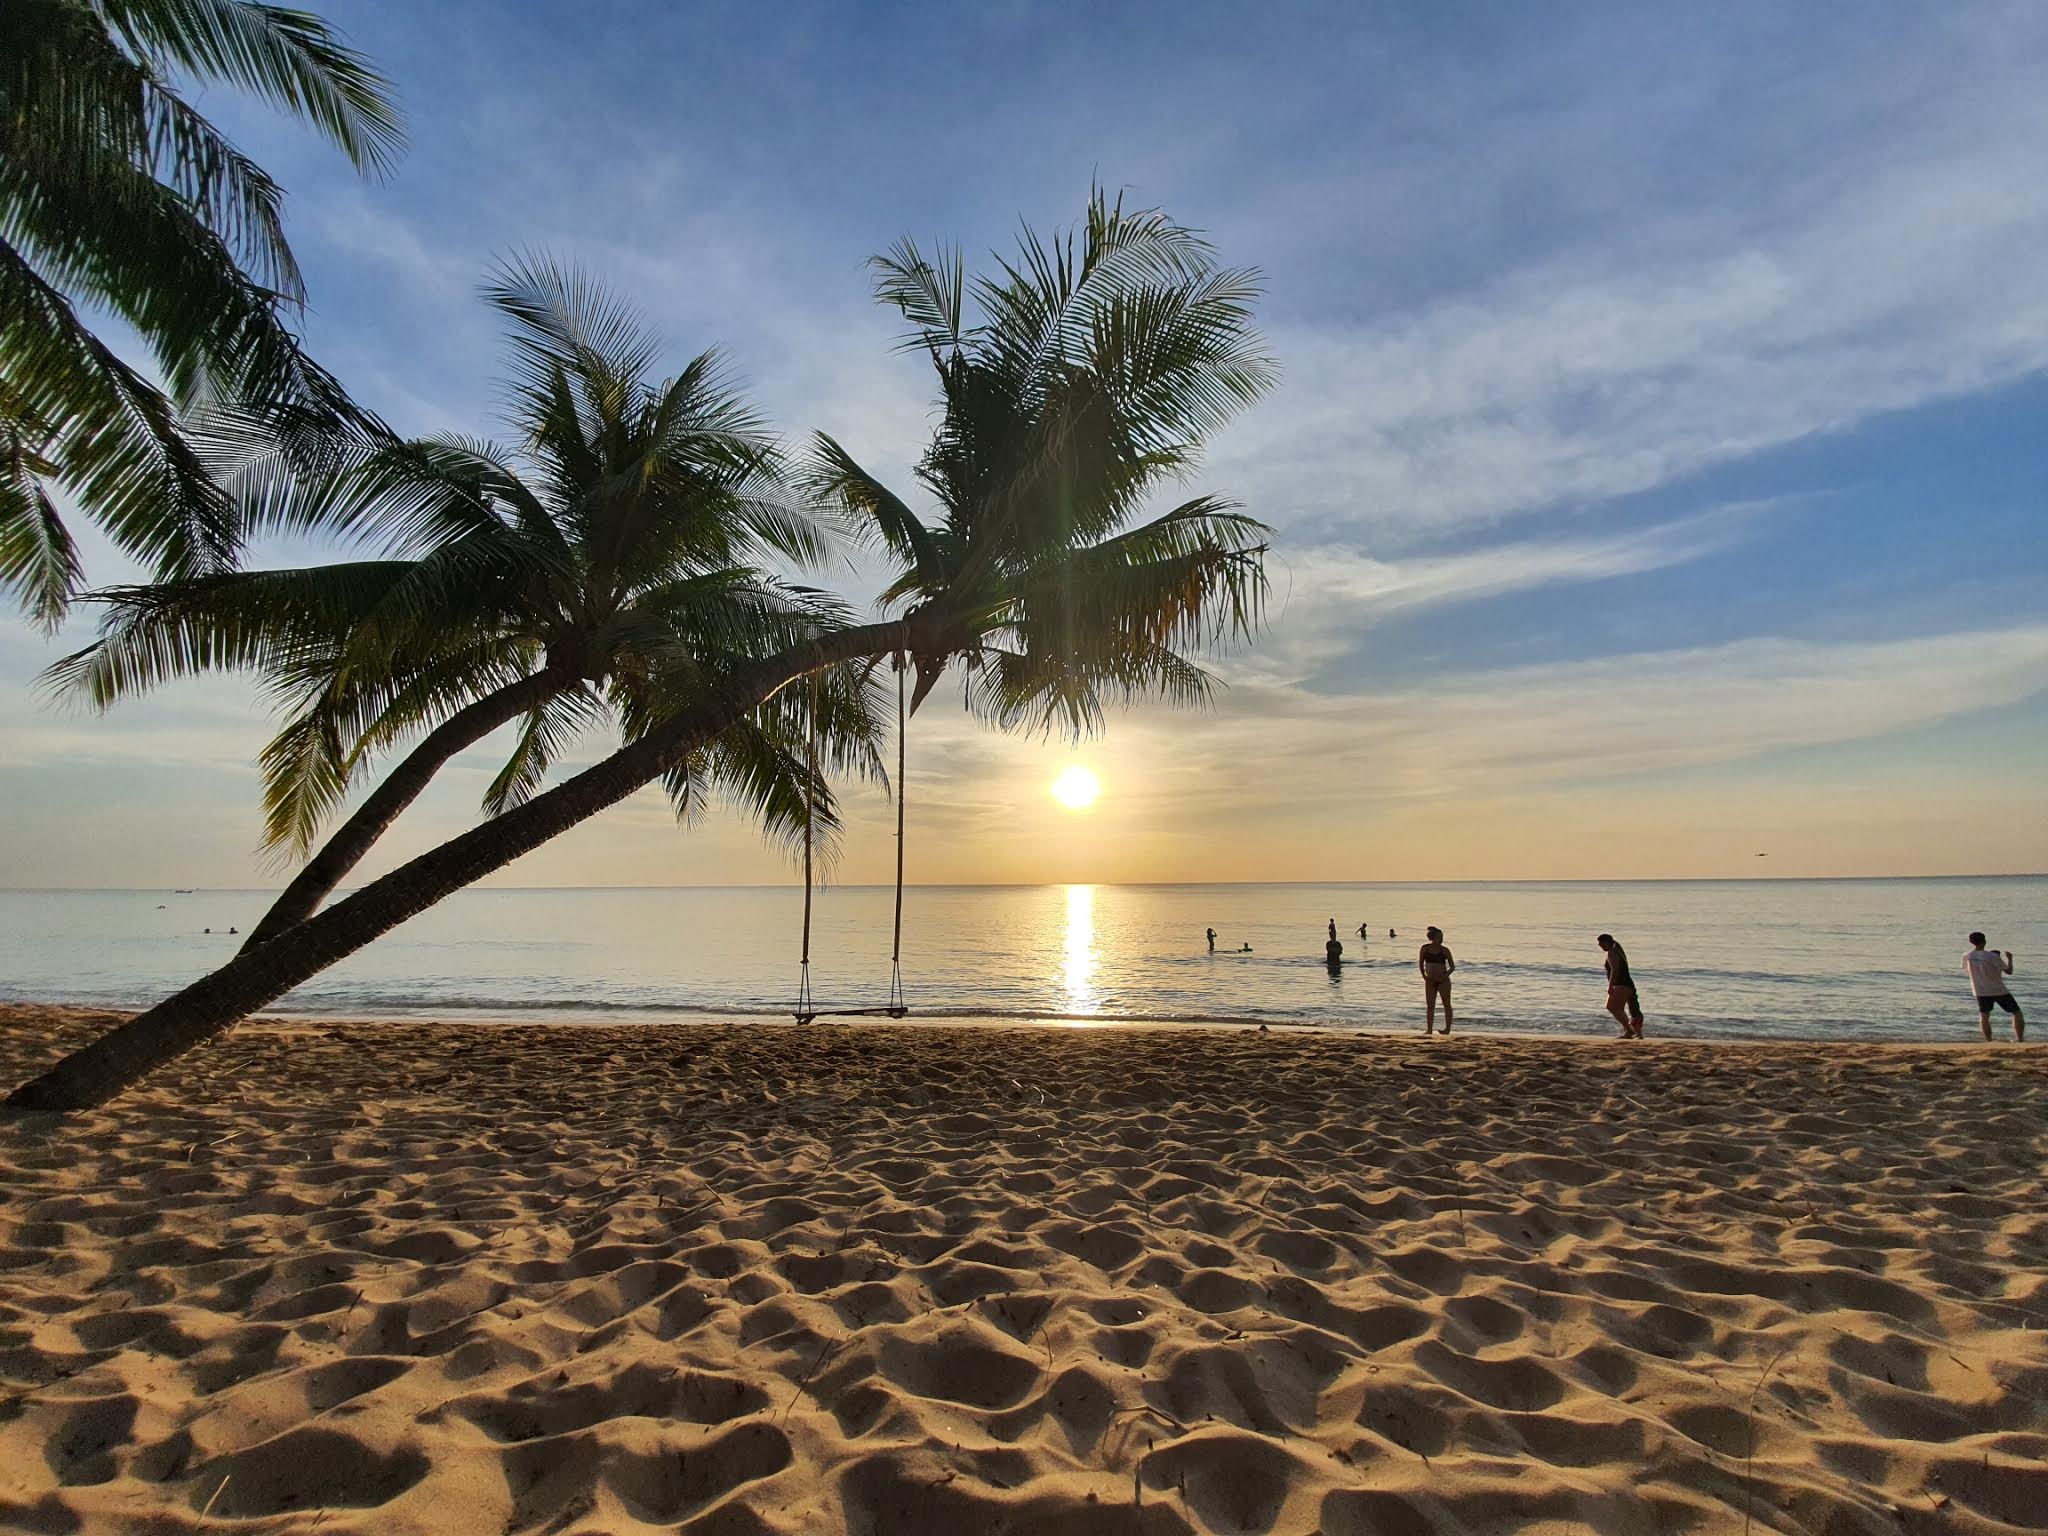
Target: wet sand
[738, 1278]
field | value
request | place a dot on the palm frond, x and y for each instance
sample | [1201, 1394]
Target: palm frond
[106, 434]
[929, 293]
[265, 621]
[567, 329]
[1205, 595]
[546, 733]
[1064, 689]
[770, 782]
[290, 58]
[305, 775]
[835, 479]
[231, 194]
[103, 226]
[341, 719]
[37, 557]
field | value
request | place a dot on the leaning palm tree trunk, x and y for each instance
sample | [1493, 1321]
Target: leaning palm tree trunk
[257, 977]
[358, 835]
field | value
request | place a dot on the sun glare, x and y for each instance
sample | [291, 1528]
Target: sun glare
[1076, 788]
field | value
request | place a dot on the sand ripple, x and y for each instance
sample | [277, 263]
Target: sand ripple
[741, 1279]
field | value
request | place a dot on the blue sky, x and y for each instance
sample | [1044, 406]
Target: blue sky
[1658, 469]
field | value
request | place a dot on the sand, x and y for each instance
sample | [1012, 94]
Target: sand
[737, 1278]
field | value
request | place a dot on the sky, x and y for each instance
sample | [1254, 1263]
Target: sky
[1657, 469]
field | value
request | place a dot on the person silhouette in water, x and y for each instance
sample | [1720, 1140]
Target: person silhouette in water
[1212, 941]
[1436, 964]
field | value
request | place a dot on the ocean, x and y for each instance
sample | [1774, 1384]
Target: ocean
[1789, 959]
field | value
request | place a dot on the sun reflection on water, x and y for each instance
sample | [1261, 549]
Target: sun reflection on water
[1080, 950]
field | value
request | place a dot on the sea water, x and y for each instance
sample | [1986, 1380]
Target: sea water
[1806, 959]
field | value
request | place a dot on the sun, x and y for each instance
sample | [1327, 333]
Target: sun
[1076, 788]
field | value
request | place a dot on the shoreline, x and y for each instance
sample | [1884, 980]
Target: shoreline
[628, 1015]
[358, 1276]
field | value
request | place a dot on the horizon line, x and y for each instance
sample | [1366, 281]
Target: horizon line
[1037, 885]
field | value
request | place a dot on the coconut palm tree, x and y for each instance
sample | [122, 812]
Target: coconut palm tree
[115, 192]
[1094, 369]
[1090, 377]
[591, 571]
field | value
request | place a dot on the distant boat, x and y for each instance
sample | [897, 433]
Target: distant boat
[183, 890]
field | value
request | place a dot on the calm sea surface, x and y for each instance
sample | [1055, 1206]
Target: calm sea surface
[1867, 959]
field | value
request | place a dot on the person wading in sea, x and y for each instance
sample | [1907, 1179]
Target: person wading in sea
[1621, 989]
[1987, 970]
[1436, 965]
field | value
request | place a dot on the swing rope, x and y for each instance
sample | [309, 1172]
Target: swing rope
[897, 1007]
[805, 1011]
[806, 1008]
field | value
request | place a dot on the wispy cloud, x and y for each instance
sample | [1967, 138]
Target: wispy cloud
[1707, 336]
[1588, 720]
[1330, 595]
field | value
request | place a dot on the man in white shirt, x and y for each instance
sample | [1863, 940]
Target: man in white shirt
[1987, 970]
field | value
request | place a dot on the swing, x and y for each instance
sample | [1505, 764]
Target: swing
[806, 1009]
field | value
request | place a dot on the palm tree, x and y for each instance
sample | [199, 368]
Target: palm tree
[1095, 369]
[593, 570]
[116, 192]
[1090, 378]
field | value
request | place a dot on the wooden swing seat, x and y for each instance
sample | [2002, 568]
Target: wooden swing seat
[893, 1011]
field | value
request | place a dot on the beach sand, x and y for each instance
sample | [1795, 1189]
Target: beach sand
[740, 1278]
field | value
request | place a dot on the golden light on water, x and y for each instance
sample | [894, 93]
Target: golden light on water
[1076, 787]
[1080, 949]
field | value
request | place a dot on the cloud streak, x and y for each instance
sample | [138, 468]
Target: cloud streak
[1704, 339]
[1587, 721]
[1334, 594]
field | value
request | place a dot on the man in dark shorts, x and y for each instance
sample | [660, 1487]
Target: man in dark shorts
[1621, 990]
[1987, 970]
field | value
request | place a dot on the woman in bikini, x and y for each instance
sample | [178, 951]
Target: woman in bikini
[1436, 965]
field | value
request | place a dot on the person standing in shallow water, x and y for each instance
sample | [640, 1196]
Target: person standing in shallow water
[1987, 969]
[1436, 964]
[1622, 1001]
[1212, 941]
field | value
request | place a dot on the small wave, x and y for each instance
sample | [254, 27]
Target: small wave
[427, 1005]
[571, 1010]
[339, 1004]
